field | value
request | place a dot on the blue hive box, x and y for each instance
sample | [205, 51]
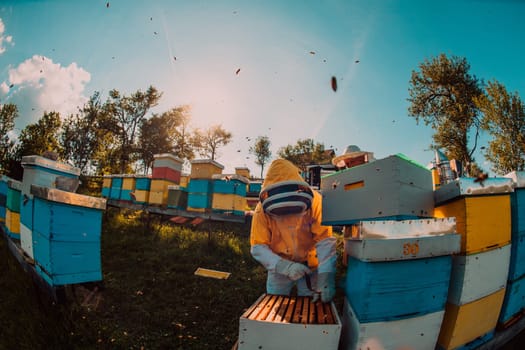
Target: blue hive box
[230, 184]
[517, 207]
[142, 183]
[66, 236]
[514, 301]
[3, 198]
[116, 187]
[200, 186]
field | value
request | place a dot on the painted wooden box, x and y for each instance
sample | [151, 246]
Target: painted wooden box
[142, 182]
[514, 301]
[230, 184]
[484, 221]
[166, 174]
[167, 160]
[106, 186]
[254, 188]
[3, 198]
[177, 197]
[228, 204]
[140, 196]
[26, 223]
[463, 324]
[66, 236]
[475, 276]
[200, 186]
[128, 186]
[389, 290]
[158, 194]
[418, 332]
[517, 207]
[390, 188]
[199, 201]
[272, 322]
[204, 168]
[243, 171]
[46, 172]
[116, 186]
[14, 194]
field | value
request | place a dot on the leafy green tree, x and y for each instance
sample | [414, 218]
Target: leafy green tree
[42, 136]
[261, 151]
[81, 134]
[207, 142]
[504, 119]
[442, 94]
[124, 115]
[161, 134]
[305, 152]
[8, 113]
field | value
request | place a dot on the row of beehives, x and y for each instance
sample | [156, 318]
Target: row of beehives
[425, 268]
[57, 229]
[205, 189]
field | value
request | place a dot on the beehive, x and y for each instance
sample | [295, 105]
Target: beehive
[204, 168]
[482, 211]
[12, 213]
[465, 323]
[390, 188]
[106, 186]
[273, 321]
[417, 332]
[230, 184]
[228, 203]
[142, 188]
[399, 269]
[243, 171]
[517, 207]
[3, 198]
[128, 186]
[46, 172]
[116, 186]
[177, 197]
[475, 276]
[514, 301]
[158, 194]
[66, 236]
[254, 188]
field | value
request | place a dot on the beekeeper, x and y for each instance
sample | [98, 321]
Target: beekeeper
[287, 237]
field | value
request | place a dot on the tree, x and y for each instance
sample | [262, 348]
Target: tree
[8, 113]
[124, 117]
[442, 94]
[41, 136]
[504, 119]
[81, 134]
[305, 152]
[160, 134]
[208, 142]
[261, 151]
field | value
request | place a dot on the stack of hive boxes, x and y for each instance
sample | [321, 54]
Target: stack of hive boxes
[399, 256]
[252, 194]
[46, 172]
[12, 210]
[128, 186]
[200, 186]
[166, 171]
[514, 302]
[3, 198]
[479, 272]
[142, 188]
[229, 194]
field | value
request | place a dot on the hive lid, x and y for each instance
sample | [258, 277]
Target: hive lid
[169, 156]
[228, 177]
[34, 160]
[55, 195]
[207, 161]
[14, 184]
[467, 186]
[518, 177]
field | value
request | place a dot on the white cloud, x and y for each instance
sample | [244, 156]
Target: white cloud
[4, 38]
[38, 85]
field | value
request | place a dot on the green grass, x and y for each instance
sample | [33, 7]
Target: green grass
[149, 297]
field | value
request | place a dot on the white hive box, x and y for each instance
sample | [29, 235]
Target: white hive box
[390, 188]
[466, 186]
[288, 323]
[475, 276]
[419, 332]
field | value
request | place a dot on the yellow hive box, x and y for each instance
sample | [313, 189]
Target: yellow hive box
[228, 202]
[242, 171]
[184, 180]
[484, 222]
[463, 324]
[141, 196]
[160, 185]
[158, 197]
[106, 182]
[12, 221]
[128, 182]
[205, 168]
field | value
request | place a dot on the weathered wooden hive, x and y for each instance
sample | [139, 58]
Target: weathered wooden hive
[66, 236]
[390, 188]
[288, 323]
[479, 272]
[397, 279]
[229, 194]
[514, 301]
[177, 197]
[46, 172]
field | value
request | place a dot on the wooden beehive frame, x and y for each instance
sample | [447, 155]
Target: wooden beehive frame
[290, 309]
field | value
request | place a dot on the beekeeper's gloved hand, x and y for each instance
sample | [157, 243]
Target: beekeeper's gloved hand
[325, 287]
[292, 270]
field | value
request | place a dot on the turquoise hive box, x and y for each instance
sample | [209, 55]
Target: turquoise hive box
[66, 236]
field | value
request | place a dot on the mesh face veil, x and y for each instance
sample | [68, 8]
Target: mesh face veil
[286, 198]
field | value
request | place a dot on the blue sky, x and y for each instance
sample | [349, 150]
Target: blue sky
[56, 53]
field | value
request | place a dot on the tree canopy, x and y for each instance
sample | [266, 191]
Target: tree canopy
[207, 142]
[305, 152]
[261, 151]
